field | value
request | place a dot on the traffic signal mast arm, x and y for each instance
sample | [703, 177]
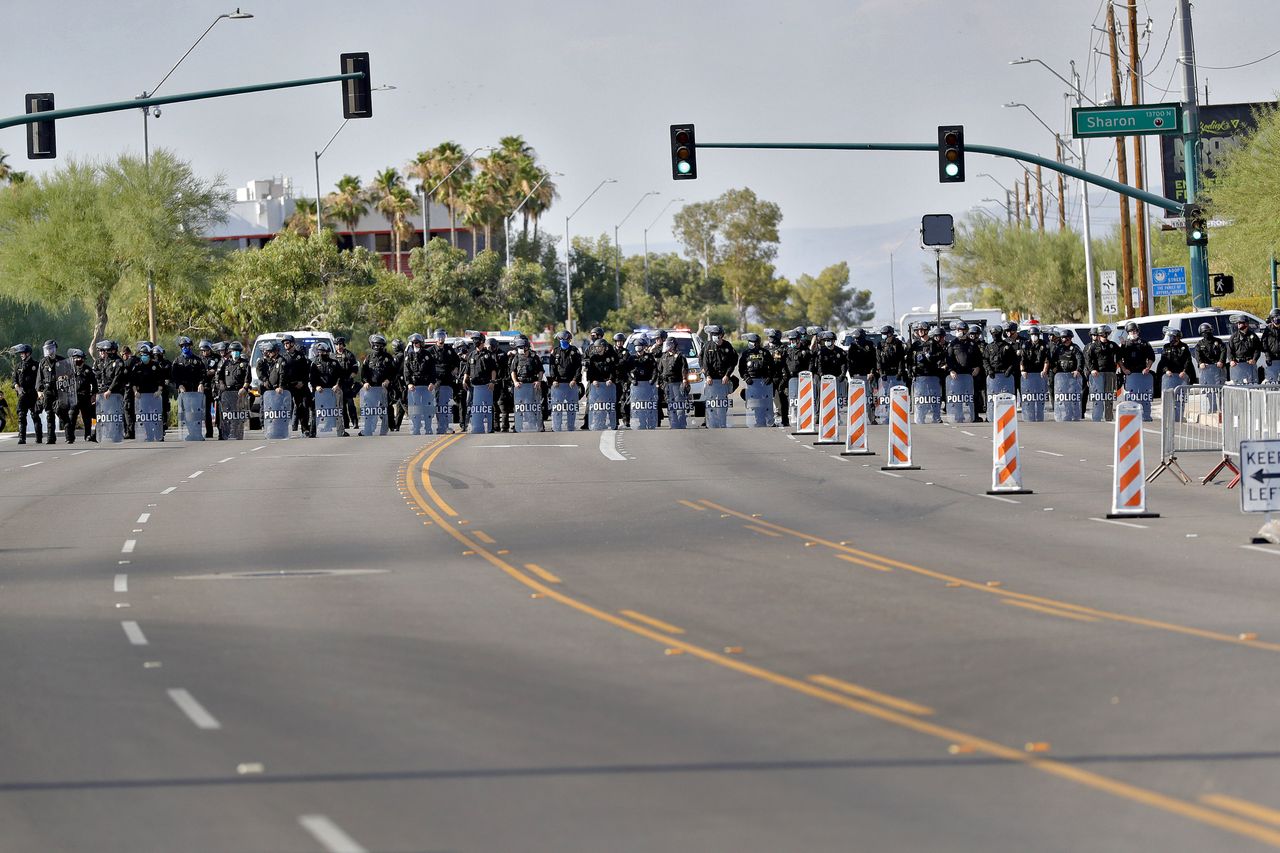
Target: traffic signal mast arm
[993, 150]
[136, 103]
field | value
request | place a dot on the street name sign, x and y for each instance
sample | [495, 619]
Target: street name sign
[1260, 475]
[1141, 120]
[1168, 281]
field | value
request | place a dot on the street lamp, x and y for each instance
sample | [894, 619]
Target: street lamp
[646, 242]
[237, 15]
[617, 268]
[320, 153]
[507, 221]
[1074, 83]
[568, 262]
[428, 193]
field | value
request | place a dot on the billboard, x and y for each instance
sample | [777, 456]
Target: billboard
[1223, 128]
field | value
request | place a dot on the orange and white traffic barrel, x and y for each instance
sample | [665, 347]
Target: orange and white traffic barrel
[828, 412]
[805, 422]
[1129, 491]
[899, 431]
[855, 435]
[1006, 467]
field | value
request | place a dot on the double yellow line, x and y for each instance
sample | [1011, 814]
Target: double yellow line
[418, 482]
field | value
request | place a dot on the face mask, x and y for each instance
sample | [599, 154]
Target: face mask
[48, 351]
[828, 344]
[186, 351]
[1133, 336]
[78, 360]
[564, 344]
[145, 358]
[715, 338]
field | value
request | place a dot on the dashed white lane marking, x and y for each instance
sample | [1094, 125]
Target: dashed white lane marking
[970, 434]
[890, 474]
[228, 459]
[1050, 453]
[129, 545]
[329, 834]
[1121, 523]
[78, 452]
[196, 474]
[121, 584]
[608, 446]
[259, 447]
[1262, 549]
[193, 709]
[34, 464]
[134, 633]
[1002, 500]
[170, 489]
[144, 518]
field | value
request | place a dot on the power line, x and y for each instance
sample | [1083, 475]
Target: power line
[1233, 67]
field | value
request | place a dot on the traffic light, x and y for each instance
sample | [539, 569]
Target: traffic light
[357, 97]
[1223, 284]
[1197, 225]
[684, 158]
[951, 153]
[41, 142]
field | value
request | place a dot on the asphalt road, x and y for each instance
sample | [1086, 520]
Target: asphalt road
[699, 640]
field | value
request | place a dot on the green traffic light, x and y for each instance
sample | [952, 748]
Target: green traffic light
[683, 167]
[952, 170]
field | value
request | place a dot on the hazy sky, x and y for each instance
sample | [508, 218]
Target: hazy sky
[593, 86]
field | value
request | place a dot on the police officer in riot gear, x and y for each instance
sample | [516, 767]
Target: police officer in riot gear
[1034, 354]
[81, 388]
[112, 377]
[525, 368]
[1176, 360]
[24, 383]
[297, 381]
[49, 371]
[446, 362]
[1136, 356]
[146, 376]
[1244, 346]
[1210, 350]
[270, 368]
[210, 362]
[1102, 359]
[187, 372]
[418, 365]
[964, 358]
[860, 358]
[233, 374]
[673, 368]
[755, 364]
[620, 380]
[891, 359]
[326, 373]
[480, 367]
[165, 368]
[378, 370]
[395, 395]
[828, 360]
[600, 365]
[778, 358]
[350, 365]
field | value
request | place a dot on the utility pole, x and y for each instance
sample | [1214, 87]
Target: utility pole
[1026, 194]
[1008, 207]
[1122, 171]
[1190, 155]
[1062, 201]
[1040, 198]
[1140, 209]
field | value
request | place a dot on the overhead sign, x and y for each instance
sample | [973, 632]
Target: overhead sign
[1141, 120]
[1260, 475]
[1110, 293]
[1168, 281]
[1223, 129]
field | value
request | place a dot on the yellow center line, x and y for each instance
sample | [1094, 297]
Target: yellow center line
[484, 537]
[1053, 767]
[649, 620]
[426, 472]
[1244, 807]
[874, 695]
[692, 505]
[764, 530]
[1065, 614]
[869, 565]
[542, 573]
[1007, 593]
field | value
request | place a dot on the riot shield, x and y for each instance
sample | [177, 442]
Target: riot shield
[1244, 374]
[880, 405]
[420, 404]
[960, 400]
[110, 419]
[528, 407]
[1271, 371]
[233, 414]
[277, 413]
[926, 399]
[373, 411]
[1211, 374]
[715, 399]
[443, 412]
[759, 399]
[644, 406]
[793, 388]
[328, 413]
[1034, 395]
[480, 412]
[677, 406]
[191, 415]
[1068, 394]
[1102, 396]
[564, 408]
[1000, 384]
[149, 417]
[602, 408]
[1138, 388]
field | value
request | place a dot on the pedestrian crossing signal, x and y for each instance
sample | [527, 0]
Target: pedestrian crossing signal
[684, 159]
[1223, 284]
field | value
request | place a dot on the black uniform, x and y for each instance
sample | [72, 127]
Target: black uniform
[673, 368]
[379, 369]
[210, 375]
[1211, 352]
[1067, 358]
[1176, 360]
[350, 382]
[270, 370]
[297, 378]
[755, 365]
[188, 373]
[1003, 358]
[1270, 341]
[82, 388]
[165, 368]
[860, 359]
[418, 367]
[891, 359]
[1244, 346]
[1136, 356]
[778, 358]
[719, 360]
[232, 375]
[828, 361]
[53, 404]
[24, 380]
[622, 382]
[1034, 356]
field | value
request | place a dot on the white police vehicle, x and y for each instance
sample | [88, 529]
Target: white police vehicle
[688, 345]
[304, 338]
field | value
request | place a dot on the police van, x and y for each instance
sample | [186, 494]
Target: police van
[304, 338]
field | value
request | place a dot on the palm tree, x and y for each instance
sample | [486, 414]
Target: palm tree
[443, 159]
[5, 169]
[543, 197]
[401, 206]
[388, 193]
[303, 219]
[349, 203]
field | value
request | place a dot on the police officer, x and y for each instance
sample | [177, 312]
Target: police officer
[1270, 340]
[48, 372]
[860, 358]
[111, 375]
[1067, 360]
[146, 376]
[378, 371]
[1211, 353]
[891, 360]
[1033, 357]
[778, 358]
[643, 366]
[620, 380]
[81, 388]
[270, 368]
[828, 360]
[1101, 359]
[395, 395]
[796, 359]
[566, 362]
[24, 383]
[964, 358]
[1137, 356]
[673, 368]
[1176, 366]
[418, 367]
[719, 359]
[599, 365]
[1243, 348]
[350, 365]
[446, 362]
[480, 367]
[165, 368]
[187, 371]
[525, 368]
[297, 381]
[326, 373]
[210, 362]
[233, 375]
[504, 401]
[756, 364]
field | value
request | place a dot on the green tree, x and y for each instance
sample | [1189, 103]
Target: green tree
[826, 300]
[349, 203]
[303, 219]
[443, 168]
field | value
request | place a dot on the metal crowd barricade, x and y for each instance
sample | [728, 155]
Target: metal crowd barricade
[1190, 422]
[1237, 425]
